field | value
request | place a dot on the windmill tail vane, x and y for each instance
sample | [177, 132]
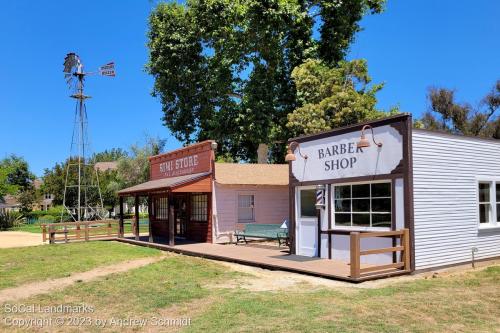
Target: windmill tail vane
[82, 194]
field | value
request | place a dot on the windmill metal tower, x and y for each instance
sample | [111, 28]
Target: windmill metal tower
[82, 195]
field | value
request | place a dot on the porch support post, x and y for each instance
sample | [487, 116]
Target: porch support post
[120, 224]
[171, 222]
[136, 225]
[149, 220]
[355, 260]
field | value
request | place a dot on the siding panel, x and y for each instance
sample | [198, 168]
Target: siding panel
[445, 171]
[271, 206]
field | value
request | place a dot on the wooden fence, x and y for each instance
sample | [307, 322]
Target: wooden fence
[79, 231]
[401, 264]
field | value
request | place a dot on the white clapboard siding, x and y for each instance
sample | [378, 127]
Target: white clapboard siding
[445, 171]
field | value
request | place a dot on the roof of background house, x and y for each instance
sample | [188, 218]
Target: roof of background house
[9, 201]
[251, 174]
[37, 183]
[105, 166]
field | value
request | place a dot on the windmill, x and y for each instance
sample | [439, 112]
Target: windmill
[82, 194]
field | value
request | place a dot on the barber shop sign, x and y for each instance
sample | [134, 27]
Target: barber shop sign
[339, 156]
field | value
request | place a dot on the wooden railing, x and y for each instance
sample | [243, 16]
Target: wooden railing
[68, 231]
[403, 264]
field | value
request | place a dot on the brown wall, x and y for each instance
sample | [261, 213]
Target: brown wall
[193, 159]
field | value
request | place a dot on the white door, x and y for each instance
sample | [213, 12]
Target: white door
[307, 221]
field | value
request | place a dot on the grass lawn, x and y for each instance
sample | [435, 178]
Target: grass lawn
[28, 264]
[209, 294]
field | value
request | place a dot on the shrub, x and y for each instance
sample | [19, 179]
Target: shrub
[47, 218]
[9, 220]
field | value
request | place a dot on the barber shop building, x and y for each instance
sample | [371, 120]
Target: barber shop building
[386, 194]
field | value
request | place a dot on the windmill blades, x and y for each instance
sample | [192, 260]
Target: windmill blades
[71, 62]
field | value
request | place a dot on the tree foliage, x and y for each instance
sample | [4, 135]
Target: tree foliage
[16, 179]
[447, 115]
[331, 97]
[15, 175]
[222, 68]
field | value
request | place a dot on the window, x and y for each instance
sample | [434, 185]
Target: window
[363, 205]
[489, 203]
[199, 207]
[308, 203]
[160, 208]
[246, 208]
[498, 201]
[484, 203]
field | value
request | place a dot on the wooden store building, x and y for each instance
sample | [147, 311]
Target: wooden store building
[191, 198]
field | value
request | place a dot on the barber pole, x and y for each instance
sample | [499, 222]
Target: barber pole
[320, 196]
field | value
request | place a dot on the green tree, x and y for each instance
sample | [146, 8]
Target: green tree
[222, 68]
[110, 155]
[134, 168]
[333, 96]
[447, 115]
[27, 198]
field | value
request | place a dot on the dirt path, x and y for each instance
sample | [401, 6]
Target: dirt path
[10, 239]
[43, 287]
[259, 279]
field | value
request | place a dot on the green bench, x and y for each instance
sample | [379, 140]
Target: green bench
[266, 231]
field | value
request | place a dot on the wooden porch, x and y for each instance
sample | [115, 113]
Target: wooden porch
[275, 258]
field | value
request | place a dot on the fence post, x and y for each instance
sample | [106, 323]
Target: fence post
[78, 230]
[86, 232]
[65, 234]
[406, 244]
[44, 233]
[355, 257]
[51, 234]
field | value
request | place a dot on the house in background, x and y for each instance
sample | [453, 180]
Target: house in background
[9, 203]
[46, 200]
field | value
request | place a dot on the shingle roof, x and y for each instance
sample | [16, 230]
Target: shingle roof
[251, 174]
[163, 183]
[105, 166]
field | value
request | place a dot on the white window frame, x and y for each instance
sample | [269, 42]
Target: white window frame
[356, 228]
[494, 223]
[238, 206]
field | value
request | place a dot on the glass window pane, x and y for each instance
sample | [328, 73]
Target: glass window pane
[381, 205]
[381, 220]
[484, 192]
[381, 190]
[498, 192]
[484, 213]
[361, 191]
[342, 192]
[308, 203]
[361, 205]
[246, 207]
[199, 207]
[342, 205]
[498, 212]
[361, 220]
[343, 219]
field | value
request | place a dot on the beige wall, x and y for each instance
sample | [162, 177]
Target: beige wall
[271, 206]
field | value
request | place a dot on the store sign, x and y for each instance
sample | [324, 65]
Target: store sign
[339, 157]
[182, 162]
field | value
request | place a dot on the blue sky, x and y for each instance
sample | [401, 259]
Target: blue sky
[412, 46]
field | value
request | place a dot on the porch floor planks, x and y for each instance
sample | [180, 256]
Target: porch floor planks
[266, 257]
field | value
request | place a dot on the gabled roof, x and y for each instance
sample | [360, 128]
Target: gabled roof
[251, 174]
[105, 166]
